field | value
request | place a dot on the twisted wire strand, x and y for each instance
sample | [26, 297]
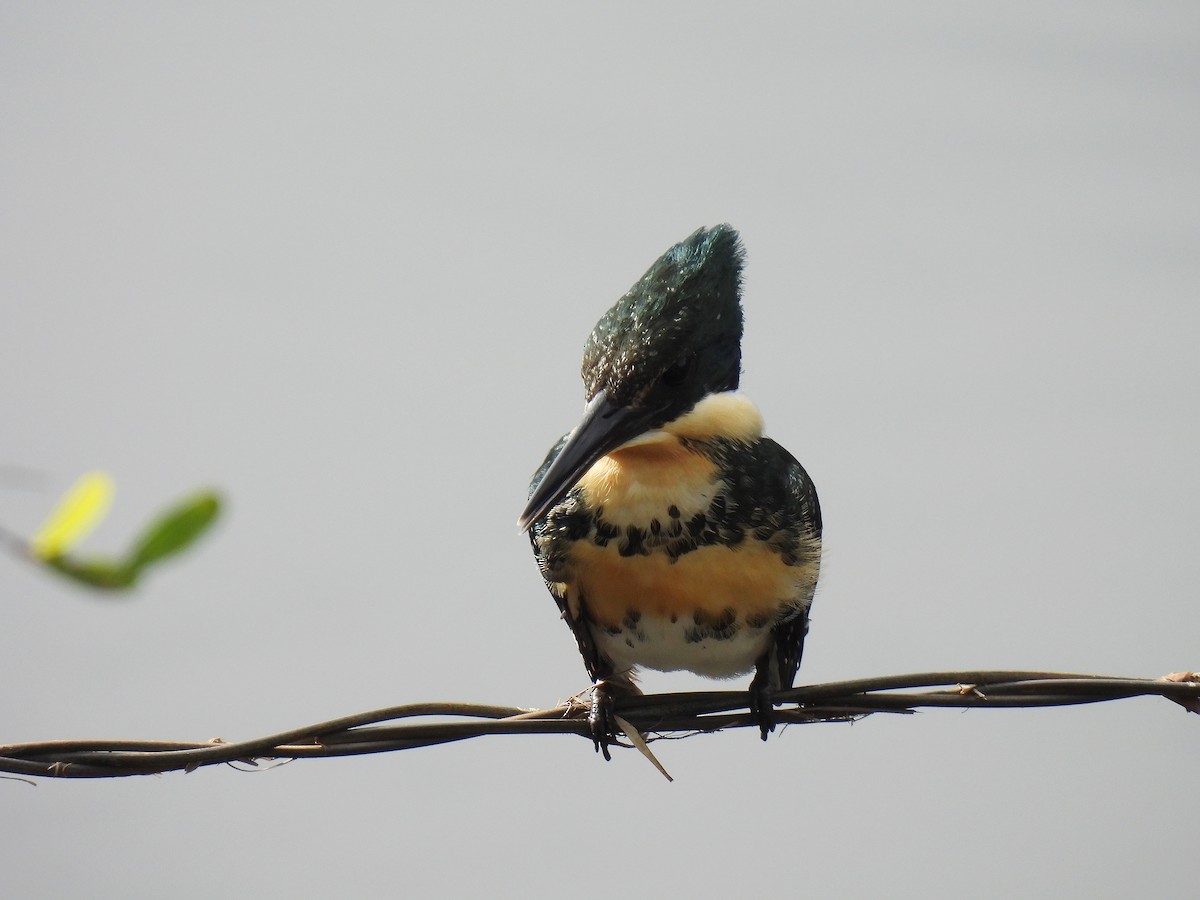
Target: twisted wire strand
[656, 716]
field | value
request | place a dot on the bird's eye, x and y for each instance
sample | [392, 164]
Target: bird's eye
[675, 375]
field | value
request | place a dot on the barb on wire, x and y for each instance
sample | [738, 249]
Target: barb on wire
[654, 716]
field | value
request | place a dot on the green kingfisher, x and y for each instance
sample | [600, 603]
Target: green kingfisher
[671, 533]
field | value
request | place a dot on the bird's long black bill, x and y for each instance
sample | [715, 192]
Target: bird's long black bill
[604, 427]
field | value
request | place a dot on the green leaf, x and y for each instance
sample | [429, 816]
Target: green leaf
[170, 533]
[97, 573]
[173, 531]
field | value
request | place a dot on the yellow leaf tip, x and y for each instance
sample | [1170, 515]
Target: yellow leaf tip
[81, 509]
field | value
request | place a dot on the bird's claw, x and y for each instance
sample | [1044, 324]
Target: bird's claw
[602, 718]
[762, 709]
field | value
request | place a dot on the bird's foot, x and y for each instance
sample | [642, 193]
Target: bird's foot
[762, 709]
[602, 717]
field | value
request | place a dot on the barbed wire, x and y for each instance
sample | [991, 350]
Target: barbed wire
[654, 716]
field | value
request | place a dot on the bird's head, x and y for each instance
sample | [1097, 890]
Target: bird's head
[674, 338]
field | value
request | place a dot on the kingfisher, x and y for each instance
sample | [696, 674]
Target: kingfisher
[671, 533]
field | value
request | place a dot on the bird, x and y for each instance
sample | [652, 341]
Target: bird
[670, 532]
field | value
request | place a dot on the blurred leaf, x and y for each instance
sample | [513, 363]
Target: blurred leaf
[174, 530]
[171, 533]
[97, 573]
[79, 511]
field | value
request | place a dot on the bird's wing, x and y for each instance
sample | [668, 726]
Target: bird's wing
[544, 551]
[804, 509]
[777, 498]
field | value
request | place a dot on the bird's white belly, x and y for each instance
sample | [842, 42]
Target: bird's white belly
[658, 643]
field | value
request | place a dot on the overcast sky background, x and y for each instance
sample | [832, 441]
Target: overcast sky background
[339, 260]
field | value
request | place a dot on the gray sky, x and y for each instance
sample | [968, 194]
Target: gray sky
[340, 260]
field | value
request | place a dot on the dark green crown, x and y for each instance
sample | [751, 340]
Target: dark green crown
[676, 335]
